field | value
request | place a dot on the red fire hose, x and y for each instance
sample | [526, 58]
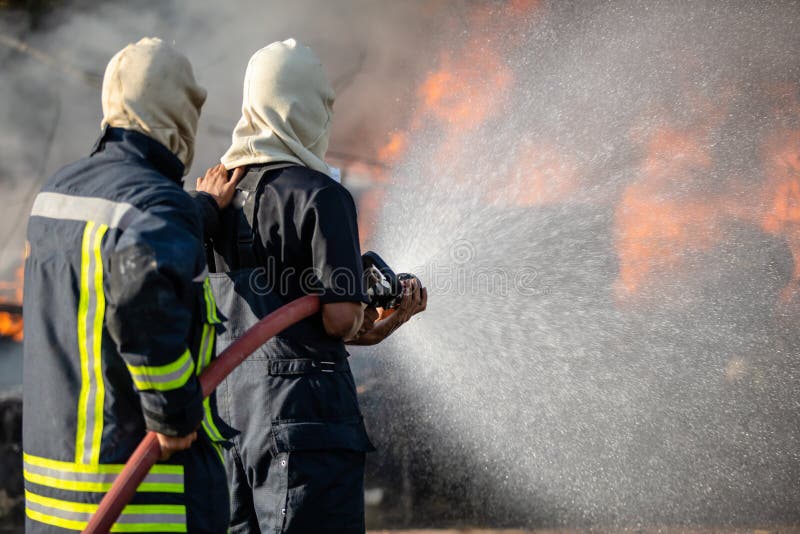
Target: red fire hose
[148, 452]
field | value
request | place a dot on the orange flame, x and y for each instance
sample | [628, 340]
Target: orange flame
[665, 215]
[11, 325]
[655, 227]
[782, 192]
[469, 85]
[661, 219]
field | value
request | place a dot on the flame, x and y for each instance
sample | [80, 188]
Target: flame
[394, 149]
[467, 89]
[675, 207]
[470, 84]
[782, 197]
[11, 325]
[661, 217]
[654, 225]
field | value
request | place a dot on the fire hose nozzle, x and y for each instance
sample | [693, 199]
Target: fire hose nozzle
[384, 287]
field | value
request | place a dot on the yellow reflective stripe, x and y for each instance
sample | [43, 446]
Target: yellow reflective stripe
[159, 469]
[209, 336]
[80, 525]
[206, 344]
[163, 377]
[79, 485]
[219, 452]
[208, 424]
[134, 517]
[98, 342]
[160, 370]
[55, 521]
[211, 304]
[207, 347]
[83, 312]
[91, 311]
[132, 509]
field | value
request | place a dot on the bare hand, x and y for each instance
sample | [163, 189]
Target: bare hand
[370, 316]
[415, 300]
[217, 184]
[170, 445]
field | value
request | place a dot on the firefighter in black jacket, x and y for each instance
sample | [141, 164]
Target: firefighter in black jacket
[119, 315]
[296, 464]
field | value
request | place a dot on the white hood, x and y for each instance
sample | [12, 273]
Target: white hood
[287, 109]
[149, 87]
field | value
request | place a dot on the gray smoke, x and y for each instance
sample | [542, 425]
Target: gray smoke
[50, 113]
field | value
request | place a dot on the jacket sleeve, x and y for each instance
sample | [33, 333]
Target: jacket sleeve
[149, 313]
[208, 210]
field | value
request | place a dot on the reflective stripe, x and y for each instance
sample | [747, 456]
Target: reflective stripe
[117, 527]
[218, 448]
[134, 517]
[211, 305]
[163, 377]
[97, 478]
[75, 208]
[206, 348]
[91, 311]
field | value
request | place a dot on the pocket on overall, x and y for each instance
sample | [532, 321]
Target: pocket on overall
[314, 406]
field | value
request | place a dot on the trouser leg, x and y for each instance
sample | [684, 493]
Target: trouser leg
[325, 492]
[243, 513]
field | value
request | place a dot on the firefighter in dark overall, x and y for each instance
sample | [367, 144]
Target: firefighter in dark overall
[119, 315]
[296, 463]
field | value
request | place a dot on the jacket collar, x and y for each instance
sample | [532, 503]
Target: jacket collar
[139, 145]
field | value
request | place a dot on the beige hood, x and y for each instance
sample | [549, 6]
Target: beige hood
[287, 109]
[150, 87]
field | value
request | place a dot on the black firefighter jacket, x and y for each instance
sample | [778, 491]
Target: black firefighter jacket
[119, 320]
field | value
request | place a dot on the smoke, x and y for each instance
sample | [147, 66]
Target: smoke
[373, 52]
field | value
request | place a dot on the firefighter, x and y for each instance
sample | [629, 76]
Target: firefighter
[296, 463]
[119, 315]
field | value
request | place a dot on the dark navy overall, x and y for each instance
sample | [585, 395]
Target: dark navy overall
[296, 463]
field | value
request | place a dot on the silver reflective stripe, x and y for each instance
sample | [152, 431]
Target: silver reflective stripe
[69, 515]
[100, 478]
[75, 208]
[205, 347]
[92, 307]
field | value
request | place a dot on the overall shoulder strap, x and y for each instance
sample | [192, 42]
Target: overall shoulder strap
[251, 188]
